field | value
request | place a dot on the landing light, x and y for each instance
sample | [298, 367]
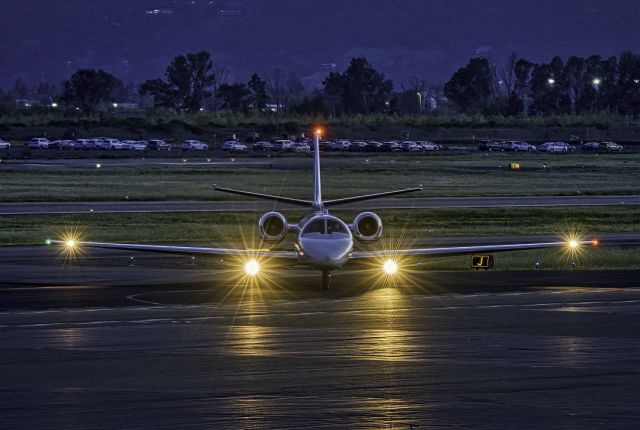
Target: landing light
[390, 267]
[252, 267]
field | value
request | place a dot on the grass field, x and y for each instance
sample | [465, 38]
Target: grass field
[448, 176]
[442, 175]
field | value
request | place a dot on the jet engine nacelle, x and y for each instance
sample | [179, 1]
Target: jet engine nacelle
[273, 227]
[367, 227]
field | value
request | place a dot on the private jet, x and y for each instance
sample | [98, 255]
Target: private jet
[323, 241]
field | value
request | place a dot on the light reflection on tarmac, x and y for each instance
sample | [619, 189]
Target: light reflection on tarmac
[181, 350]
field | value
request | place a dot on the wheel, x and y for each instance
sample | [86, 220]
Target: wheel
[326, 279]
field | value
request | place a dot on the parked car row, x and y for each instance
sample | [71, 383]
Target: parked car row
[507, 146]
[346, 145]
[561, 147]
[602, 147]
[104, 143]
[283, 145]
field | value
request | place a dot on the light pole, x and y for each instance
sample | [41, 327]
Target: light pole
[419, 94]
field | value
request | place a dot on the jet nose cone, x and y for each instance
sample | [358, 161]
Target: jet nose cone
[332, 252]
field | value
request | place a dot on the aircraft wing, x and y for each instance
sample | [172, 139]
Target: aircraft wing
[462, 250]
[183, 250]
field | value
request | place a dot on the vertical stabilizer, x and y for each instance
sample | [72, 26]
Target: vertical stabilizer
[317, 186]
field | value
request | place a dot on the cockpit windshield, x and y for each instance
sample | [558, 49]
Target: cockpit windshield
[325, 226]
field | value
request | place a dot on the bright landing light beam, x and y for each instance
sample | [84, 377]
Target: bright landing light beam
[390, 267]
[252, 267]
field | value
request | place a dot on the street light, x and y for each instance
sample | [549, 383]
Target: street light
[54, 105]
[115, 105]
[551, 81]
[596, 82]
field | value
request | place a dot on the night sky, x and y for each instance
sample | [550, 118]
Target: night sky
[46, 40]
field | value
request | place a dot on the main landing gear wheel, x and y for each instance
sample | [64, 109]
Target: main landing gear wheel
[326, 279]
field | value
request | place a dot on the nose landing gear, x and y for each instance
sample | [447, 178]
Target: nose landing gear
[326, 279]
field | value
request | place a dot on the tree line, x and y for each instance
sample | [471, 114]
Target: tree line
[191, 83]
[575, 86]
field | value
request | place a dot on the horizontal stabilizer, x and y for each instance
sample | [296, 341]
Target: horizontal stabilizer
[354, 199]
[297, 202]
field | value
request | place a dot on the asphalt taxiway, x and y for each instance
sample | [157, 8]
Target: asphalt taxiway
[106, 346]
[49, 208]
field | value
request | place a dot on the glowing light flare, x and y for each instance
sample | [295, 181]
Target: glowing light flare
[252, 267]
[390, 267]
[70, 244]
[573, 244]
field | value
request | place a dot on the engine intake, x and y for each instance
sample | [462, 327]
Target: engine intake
[273, 227]
[367, 227]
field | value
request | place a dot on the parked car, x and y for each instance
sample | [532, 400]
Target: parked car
[62, 144]
[517, 146]
[81, 144]
[108, 143]
[610, 147]
[591, 146]
[92, 143]
[490, 145]
[411, 146]
[4, 144]
[554, 147]
[139, 145]
[234, 146]
[427, 145]
[263, 146]
[359, 146]
[38, 143]
[194, 145]
[159, 145]
[392, 146]
[300, 147]
[282, 145]
[374, 146]
[127, 145]
[340, 145]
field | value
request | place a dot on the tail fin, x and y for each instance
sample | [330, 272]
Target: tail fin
[317, 185]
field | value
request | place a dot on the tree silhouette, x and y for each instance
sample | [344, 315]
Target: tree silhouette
[87, 89]
[190, 80]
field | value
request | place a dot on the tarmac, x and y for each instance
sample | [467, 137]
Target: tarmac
[99, 343]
